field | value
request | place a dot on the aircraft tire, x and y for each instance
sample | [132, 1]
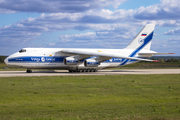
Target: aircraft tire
[70, 71]
[91, 70]
[29, 71]
[95, 70]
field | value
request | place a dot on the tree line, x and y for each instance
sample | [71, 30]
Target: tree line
[2, 59]
[168, 60]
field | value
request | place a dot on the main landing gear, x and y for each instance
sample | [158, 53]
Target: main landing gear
[79, 70]
[83, 70]
[29, 71]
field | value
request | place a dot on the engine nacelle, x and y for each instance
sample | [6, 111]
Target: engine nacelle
[70, 61]
[91, 63]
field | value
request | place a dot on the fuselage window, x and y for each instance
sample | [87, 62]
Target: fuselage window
[22, 50]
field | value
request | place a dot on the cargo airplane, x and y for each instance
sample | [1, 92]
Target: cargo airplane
[85, 60]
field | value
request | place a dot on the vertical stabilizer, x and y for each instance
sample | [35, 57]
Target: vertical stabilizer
[143, 39]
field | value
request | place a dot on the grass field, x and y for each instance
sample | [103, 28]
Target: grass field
[124, 97]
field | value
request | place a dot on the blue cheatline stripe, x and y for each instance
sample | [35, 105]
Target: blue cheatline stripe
[146, 41]
[34, 59]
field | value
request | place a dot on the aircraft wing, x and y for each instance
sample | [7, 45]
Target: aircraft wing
[103, 56]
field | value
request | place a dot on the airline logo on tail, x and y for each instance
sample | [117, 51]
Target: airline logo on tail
[141, 41]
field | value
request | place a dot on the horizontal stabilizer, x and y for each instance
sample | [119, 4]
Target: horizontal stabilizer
[151, 54]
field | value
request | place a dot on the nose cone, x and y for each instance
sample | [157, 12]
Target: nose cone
[6, 61]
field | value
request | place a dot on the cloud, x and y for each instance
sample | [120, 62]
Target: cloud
[28, 29]
[169, 23]
[173, 32]
[96, 20]
[174, 39]
[33, 27]
[116, 37]
[167, 10]
[56, 6]
[7, 11]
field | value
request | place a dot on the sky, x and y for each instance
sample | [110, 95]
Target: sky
[109, 24]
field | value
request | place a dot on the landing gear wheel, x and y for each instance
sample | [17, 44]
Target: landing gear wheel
[80, 70]
[70, 71]
[29, 71]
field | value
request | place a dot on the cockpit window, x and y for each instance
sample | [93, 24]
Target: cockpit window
[22, 50]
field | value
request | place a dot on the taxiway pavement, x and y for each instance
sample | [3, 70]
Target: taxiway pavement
[100, 72]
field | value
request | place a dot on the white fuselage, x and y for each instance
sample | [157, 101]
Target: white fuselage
[51, 58]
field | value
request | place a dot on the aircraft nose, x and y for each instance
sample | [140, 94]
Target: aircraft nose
[6, 61]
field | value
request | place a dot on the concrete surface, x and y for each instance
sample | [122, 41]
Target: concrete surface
[100, 72]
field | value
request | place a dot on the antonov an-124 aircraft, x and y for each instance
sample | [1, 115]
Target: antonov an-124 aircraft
[86, 60]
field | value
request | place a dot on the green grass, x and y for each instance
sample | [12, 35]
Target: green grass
[10, 68]
[125, 97]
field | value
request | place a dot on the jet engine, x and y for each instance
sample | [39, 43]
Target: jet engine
[70, 61]
[91, 63]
